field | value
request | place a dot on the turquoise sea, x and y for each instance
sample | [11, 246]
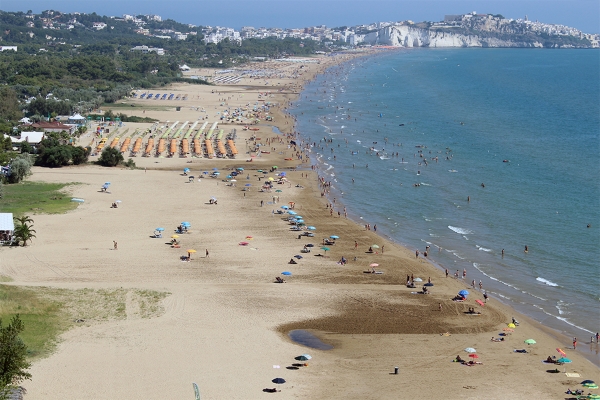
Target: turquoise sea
[503, 147]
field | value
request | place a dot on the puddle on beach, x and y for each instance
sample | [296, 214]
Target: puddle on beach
[305, 338]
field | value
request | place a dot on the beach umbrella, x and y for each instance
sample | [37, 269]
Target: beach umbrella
[215, 169]
[186, 170]
[240, 169]
[299, 221]
[233, 180]
[174, 236]
[216, 173]
[464, 292]
[278, 191]
[278, 380]
[428, 284]
[310, 245]
[418, 280]
[587, 381]
[561, 352]
[473, 356]
[248, 184]
[325, 249]
[334, 237]
[292, 213]
[311, 228]
[564, 360]
[107, 183]
[288, 273]
[185, 223]
[271, 178]
[374, 265]
[285, 207]
[593, 396]
[118, 201]
[275, 167]
[229, 176]
[191, 251]
[304, 357]
[510, 330]
[374, 246]
[159, 229]
[470, 350]
[298, 256]
[590, 385]
[298, 217]
[529, 341]
[205, 172]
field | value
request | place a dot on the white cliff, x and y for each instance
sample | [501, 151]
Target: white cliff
[412, 36]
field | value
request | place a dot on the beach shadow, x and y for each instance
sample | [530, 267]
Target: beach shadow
[267, 390]
[292, 368]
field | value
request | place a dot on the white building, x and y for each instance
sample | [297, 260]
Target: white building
[3, 48]
[145, 50]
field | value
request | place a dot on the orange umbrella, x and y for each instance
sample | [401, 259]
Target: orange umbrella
[561, 352]
[191, 251]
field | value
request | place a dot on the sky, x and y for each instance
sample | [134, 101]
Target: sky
[581, 14]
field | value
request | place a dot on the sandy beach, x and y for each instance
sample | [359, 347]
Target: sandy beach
[223, 322]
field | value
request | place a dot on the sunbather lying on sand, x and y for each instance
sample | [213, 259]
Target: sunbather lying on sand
[279, 280]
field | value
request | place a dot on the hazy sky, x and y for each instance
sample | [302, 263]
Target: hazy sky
[581, 14]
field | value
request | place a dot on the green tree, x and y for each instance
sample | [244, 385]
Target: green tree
[54, 156]
[13, 352]
[110, 157]
[19, 169]
[79, 155]
[24, 229]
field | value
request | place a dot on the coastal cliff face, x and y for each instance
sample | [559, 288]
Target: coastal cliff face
[412, 36]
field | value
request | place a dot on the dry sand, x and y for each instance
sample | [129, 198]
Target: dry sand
[224, 323]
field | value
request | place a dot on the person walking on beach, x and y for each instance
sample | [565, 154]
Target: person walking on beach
[206, 254]
[597, 337]
[574, 343]
[485, 297]
[464, 273]
[480, 285]
[355, 245]
[446, 272]
[473, 283]
[115, 245]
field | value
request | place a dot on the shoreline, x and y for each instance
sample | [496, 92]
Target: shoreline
[560, 330]
[224, 308]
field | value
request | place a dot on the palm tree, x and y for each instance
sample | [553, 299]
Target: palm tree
[23, 231]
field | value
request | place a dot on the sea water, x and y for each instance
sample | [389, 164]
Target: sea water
[497, 149]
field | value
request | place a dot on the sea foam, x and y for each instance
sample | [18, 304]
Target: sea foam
[546, 281]
[462, 231]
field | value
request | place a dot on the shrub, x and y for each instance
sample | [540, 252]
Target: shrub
[110, 157]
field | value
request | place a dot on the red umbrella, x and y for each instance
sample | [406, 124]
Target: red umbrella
[473, 356]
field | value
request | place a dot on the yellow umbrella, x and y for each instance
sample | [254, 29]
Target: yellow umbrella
[511, 325]
[271, 178]
[175, 236]
[191, 251]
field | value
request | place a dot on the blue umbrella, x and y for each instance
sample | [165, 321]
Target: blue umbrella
[292, 212]
[299, 221]
[334, 237]
[248, 184]
[278, 380]
[311, 228]
[286, 273]
[159, 229]
[564, 360]
[215, 169]
[282, 174]
[186, 170]
[107, 183]
[240, 169]
[298, 217]
[285, 207]
[216, 173]
[298, 256]
[205, 172]
[463, 292]
[229, 176]
[186, 224]
[428, 284]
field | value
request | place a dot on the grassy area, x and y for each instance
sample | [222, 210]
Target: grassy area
[47, 312]
[36, 198]
[44, 320]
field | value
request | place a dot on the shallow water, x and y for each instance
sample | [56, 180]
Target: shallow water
[305, 338]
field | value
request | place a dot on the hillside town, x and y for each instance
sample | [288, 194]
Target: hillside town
[350, 36]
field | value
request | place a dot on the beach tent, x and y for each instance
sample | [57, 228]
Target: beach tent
[7, 227]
